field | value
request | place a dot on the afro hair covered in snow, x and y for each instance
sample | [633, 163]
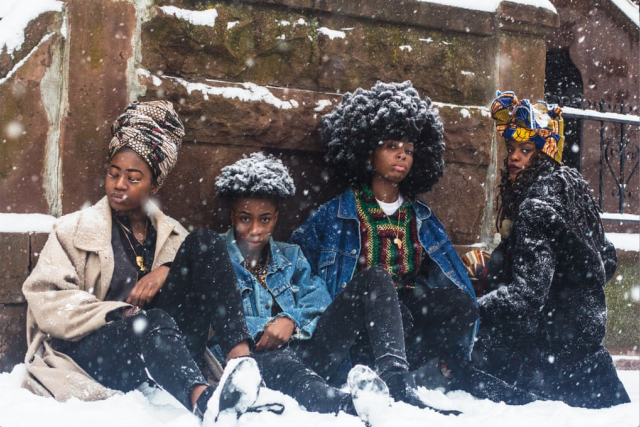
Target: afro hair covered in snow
[256, 176]
[389, 111]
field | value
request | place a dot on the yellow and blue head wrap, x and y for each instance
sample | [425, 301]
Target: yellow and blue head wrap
[539, 123]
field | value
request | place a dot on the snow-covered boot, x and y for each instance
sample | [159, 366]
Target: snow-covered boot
[237, 392]
[369, 393]
[402, 387]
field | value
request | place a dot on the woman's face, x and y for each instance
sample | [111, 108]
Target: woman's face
[253, 221]
[129, 182]
[519, 155]
[392, 160]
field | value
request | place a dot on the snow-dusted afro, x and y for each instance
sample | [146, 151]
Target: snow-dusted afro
[366, 118]
[255, 176]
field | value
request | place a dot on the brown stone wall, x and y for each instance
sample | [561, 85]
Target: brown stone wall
[604, 45]
[261, 83]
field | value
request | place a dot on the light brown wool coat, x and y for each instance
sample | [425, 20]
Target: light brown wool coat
[66, 294]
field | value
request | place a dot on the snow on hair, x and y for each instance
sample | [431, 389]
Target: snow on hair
[366, 118]
[255, 176]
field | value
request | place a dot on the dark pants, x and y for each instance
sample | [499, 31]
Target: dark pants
[436, 322]
[368, 303]
[367, 309]
[200, 292]
[283, 371]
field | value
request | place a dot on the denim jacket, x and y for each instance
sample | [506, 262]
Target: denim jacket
[301, 295]
[330, 239]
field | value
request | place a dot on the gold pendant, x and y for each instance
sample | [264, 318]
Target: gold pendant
[398, 243]
[140, 262]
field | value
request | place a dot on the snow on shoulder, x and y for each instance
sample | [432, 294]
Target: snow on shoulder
[490, 5]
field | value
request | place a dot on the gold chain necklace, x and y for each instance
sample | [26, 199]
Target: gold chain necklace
[139, 259]
[396, 240]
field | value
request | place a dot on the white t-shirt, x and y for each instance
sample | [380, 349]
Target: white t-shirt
[391, 208]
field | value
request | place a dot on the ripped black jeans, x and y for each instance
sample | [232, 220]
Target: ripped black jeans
[167, 342]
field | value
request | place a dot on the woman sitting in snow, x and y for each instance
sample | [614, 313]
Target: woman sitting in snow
[286, 306]
[87, 333]
[387, 143]
[543, 318]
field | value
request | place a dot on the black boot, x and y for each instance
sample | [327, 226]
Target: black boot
[466, 377]
[402, 387]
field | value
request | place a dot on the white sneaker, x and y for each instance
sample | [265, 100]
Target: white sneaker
[237, 392]
[370, 395]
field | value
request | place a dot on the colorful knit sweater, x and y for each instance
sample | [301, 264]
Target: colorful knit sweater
[378, 233]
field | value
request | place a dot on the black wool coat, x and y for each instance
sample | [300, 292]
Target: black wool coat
[544, 315]
[548, 277]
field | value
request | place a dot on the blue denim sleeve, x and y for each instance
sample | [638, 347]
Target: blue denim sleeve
[311, 298]
[307, 237]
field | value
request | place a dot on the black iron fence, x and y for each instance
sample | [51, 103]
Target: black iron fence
[619, 126]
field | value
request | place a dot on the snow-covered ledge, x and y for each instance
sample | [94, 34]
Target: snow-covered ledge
[26, 223]
[467, 16]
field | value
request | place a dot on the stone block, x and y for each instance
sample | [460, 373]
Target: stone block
[97, 96]
[13, 335]
[521, 66]
[262, 45]
[446, 66]
[37, 241]
[468, 134]
[14, 252]
[238, 114]
[35, 31]
[459, 200]
[24, 127]
[410, 13]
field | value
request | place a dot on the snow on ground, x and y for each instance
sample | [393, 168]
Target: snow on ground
[15, 18]
[20, 408]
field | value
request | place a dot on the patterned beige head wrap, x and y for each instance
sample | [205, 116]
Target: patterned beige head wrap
[154, 131]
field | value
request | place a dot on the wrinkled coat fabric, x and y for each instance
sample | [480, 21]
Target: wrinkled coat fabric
[65, 295]
[543, 323]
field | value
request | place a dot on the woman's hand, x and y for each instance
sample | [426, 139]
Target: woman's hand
[146, 289]
[276, 334]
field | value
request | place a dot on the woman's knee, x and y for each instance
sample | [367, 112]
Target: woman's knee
[154, 320]
[374, 278]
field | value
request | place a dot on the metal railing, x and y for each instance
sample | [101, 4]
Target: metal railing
[619, 153]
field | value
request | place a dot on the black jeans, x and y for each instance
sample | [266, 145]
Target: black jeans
[283, 371]
[162, 343]
[201, 291]
[434, 320]
[437, 321]
[368, 303]
[367, 308]
[128, 352]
